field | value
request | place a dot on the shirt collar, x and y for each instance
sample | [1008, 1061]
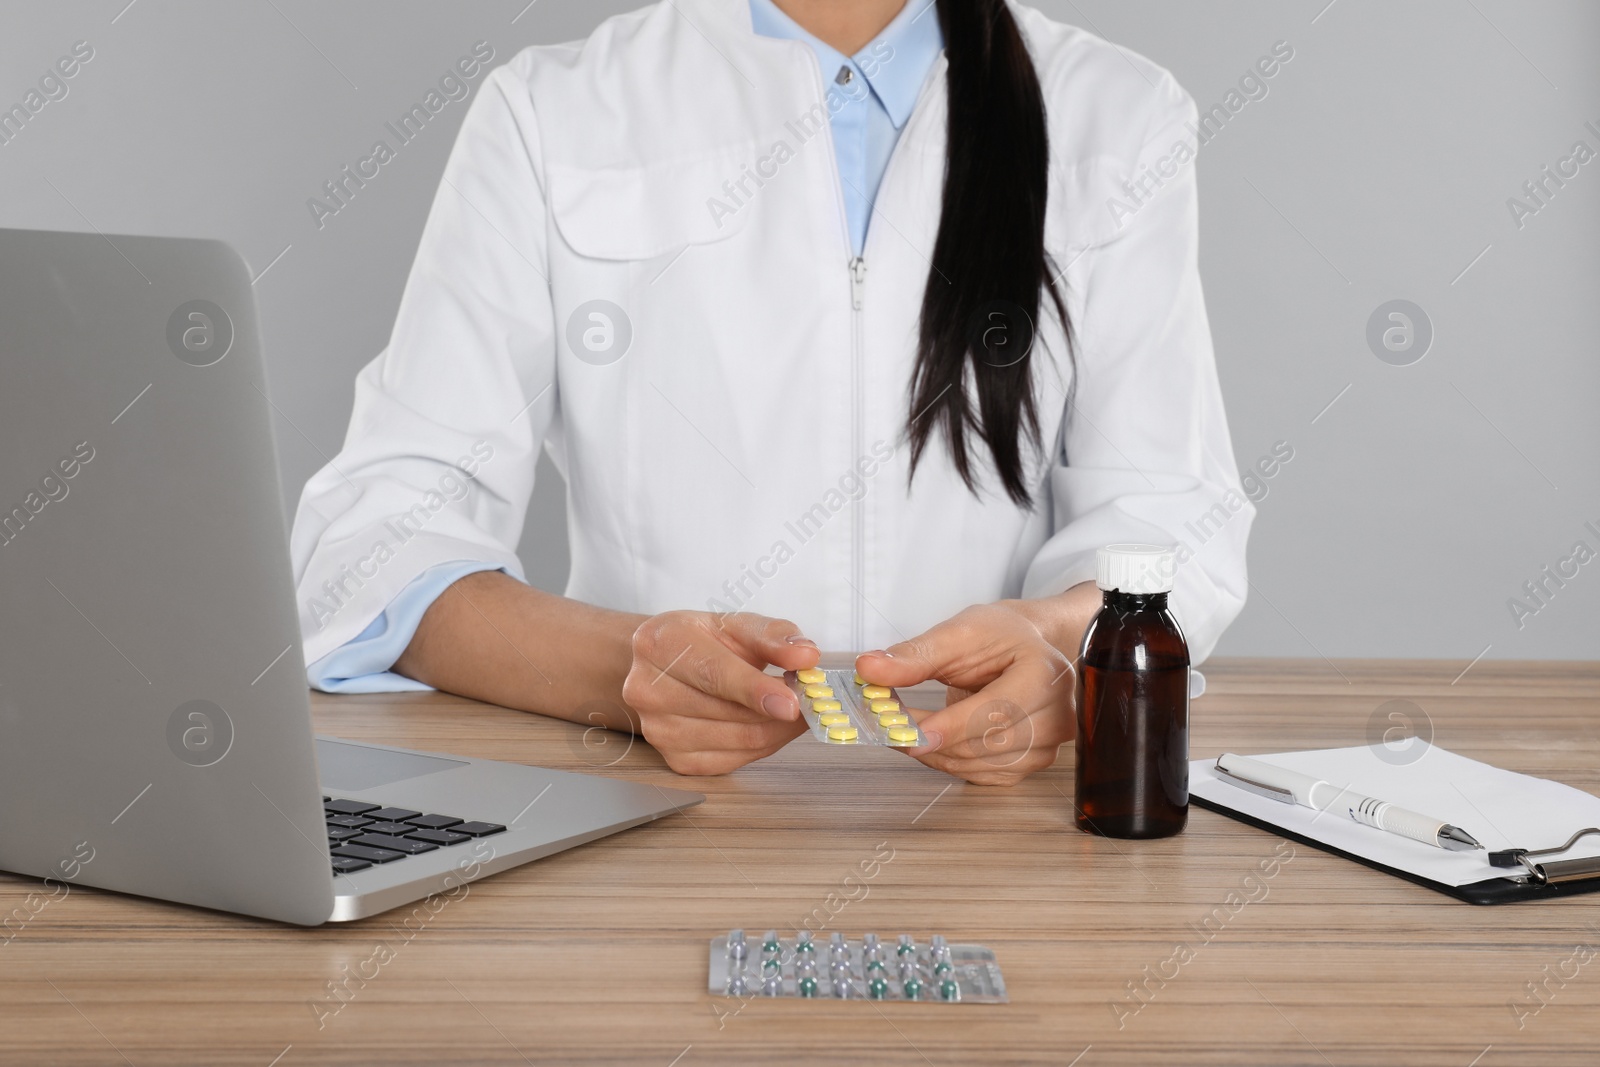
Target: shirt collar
[894, 64]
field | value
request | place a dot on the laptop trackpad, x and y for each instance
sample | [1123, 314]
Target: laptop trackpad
[350, 767]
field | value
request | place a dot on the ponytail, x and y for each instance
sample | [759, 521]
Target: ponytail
[989, 263]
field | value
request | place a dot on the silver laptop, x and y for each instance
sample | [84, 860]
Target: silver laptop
[155, 730]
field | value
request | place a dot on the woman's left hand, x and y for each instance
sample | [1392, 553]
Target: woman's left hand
[1011, 688]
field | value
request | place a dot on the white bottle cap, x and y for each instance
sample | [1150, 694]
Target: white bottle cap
[1137, 569]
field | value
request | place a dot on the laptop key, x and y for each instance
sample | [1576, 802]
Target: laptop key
[351, 822]
[347, 864]
[397, 844]
[438, 837]
[391, 814]
[433, 822]
[348, 807]
[351, 850]
[478, 829]
[338, 834]
[393, 829]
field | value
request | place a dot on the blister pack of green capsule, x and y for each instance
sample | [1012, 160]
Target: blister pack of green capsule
[864, 968]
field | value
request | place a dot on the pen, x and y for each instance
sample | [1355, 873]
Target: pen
[1292, 787]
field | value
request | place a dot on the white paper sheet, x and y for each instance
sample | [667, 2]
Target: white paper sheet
[1502, 809]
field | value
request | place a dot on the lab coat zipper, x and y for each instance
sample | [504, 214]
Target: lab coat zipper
[858, 273]
[858, 533]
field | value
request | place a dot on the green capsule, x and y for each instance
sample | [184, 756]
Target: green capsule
[905, 949]
[913, 988]
[770, 966]
[771, 946]
[949, 990]
[874, 965]
[808, 986]
[877, 989]
[942, 967]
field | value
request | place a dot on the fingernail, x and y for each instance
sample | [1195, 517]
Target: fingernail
[779, 707]
[800, 639]
[885, 653]
[934, 740]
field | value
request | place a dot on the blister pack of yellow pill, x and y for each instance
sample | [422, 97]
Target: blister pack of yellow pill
[842, 708]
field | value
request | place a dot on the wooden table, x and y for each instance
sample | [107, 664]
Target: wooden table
[598, 955]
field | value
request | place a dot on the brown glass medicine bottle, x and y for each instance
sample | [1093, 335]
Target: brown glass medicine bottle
[1133, 701]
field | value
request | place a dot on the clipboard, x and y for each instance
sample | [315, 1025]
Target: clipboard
[1525, 822]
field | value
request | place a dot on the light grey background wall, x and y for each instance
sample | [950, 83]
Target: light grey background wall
[1378, 166]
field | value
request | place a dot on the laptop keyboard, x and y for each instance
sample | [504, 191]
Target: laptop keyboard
[362, 834]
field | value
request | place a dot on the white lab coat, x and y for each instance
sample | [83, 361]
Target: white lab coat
[747, 450]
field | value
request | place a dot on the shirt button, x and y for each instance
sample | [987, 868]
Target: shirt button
[844, 77]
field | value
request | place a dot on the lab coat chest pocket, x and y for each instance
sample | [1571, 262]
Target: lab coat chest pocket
[648, 211]
[649, 248]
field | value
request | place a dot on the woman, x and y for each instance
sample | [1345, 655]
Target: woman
[787, 287]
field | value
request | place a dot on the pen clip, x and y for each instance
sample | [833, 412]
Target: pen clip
[1271, 792]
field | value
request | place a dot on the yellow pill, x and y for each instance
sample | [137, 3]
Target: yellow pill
[902, 734]
[842, 733]
[819, 706]
[893, 718]
[860, 680]
[872, 692]
[811, 677]
[817, 691]
[833, 718]
[884, 705]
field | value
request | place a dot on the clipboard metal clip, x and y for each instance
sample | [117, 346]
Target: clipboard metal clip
[1548, 872]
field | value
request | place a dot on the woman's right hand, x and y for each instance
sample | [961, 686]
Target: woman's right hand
[699, 687]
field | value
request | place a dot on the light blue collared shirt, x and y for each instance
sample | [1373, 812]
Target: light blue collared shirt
[870, 97]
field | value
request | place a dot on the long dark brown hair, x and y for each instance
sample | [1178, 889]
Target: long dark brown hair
[989, 262]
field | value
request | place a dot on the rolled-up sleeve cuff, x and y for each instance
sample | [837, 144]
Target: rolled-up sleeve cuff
[362, 664]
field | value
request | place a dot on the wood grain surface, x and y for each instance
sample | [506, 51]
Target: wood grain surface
[1181, 951]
